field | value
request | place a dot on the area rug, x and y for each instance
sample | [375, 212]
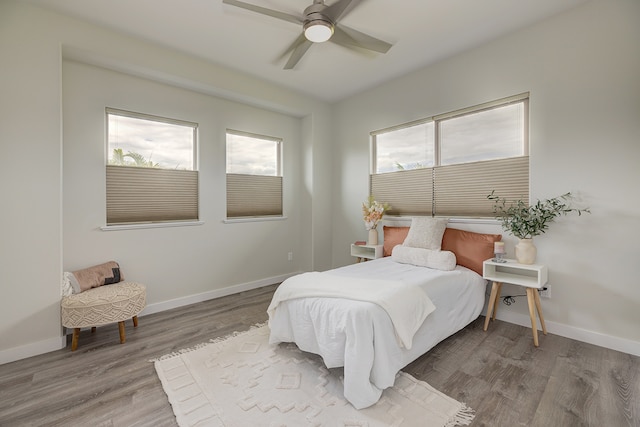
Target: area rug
[243, 381]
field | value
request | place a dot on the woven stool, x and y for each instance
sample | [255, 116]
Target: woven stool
[101, 306]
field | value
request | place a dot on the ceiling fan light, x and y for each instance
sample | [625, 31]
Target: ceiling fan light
[318, 31]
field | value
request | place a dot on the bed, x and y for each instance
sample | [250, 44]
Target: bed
[360, 336]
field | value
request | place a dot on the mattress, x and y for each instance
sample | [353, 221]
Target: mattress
[359, 335]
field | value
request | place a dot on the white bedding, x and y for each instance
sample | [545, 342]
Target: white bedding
[360, 336]
[406, 304]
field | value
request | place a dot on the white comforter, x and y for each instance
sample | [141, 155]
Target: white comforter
[406, 304]
[359, 334]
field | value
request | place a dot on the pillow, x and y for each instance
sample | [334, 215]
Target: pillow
[426, 233]
[440, 260]
[471, 248]
[393, 236]
[98, 275]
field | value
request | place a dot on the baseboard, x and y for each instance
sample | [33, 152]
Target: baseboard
[56, 343]
[615, 343]
[216, 293]
[32, 349]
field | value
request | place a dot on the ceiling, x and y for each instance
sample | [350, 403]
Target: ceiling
[422, 32]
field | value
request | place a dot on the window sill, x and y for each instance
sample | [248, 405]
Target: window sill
[150, 225]
[452, 220]
[253, 219]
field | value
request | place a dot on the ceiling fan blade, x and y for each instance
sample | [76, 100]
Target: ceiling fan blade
[269, 12]
[346, 35]
[336, 10]
[347, 42]
[299, 48]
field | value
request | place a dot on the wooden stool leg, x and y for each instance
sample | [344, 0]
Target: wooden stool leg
[539, 308]
[532, 315]
[135, 321]
[93, 329]
[74, 339]
[491, 309]
[122, 335]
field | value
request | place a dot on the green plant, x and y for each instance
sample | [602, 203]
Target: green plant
[524, 221]
[137, 159]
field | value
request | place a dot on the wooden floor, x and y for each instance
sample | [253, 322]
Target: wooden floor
[499, 373]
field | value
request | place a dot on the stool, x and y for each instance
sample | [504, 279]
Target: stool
[101, 306]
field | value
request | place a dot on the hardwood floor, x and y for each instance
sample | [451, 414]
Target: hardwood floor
[499, 373]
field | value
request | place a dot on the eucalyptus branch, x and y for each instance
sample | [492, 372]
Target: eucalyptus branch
[524, 221]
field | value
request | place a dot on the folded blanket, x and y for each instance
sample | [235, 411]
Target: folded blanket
[440, 260]
[407, 305]
[92, 277]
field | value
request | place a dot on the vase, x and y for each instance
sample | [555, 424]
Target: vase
[373, 237]
[526, 251]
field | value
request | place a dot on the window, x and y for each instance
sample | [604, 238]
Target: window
[405, 148]
[254, 175]
[494, 133]
[151, 169]
[448, 164]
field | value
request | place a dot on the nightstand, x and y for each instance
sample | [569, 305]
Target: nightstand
[366, 252]
[530, 276]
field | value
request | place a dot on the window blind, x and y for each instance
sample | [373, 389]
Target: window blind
[137, 194]
[408, 192]
[253, 195]
[462, 189]
[453, 190]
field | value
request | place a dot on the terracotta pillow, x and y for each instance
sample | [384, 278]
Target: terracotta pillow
[393, 236]
[471, 248]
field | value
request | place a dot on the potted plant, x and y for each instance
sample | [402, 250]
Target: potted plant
[527, 221]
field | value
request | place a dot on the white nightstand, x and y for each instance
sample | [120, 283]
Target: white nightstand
[532, 277]
[365, 252]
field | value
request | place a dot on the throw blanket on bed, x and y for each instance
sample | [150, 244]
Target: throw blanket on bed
[407, 305]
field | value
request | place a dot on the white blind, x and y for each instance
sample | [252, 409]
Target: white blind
[151, 195]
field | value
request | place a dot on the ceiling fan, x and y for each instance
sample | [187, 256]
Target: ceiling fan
[319, 23]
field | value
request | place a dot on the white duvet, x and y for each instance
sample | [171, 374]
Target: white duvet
[406, 304]
[360, 336]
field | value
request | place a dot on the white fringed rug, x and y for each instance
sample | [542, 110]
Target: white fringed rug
[243, 381]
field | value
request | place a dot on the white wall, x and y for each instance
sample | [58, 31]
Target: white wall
[30, 190]
[33, 252]
[582, 69]
[176, 261]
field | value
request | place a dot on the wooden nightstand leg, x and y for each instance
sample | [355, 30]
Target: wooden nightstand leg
[536, 294]
[491, 308]
[497, 302]
[532, 314]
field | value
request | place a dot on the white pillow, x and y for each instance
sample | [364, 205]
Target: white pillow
[426, 233]
[440, 260]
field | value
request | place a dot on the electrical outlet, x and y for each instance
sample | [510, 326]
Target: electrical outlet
[290, 256]
[546, 293]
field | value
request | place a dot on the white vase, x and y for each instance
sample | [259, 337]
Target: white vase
[373, 237]
[526, 251]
